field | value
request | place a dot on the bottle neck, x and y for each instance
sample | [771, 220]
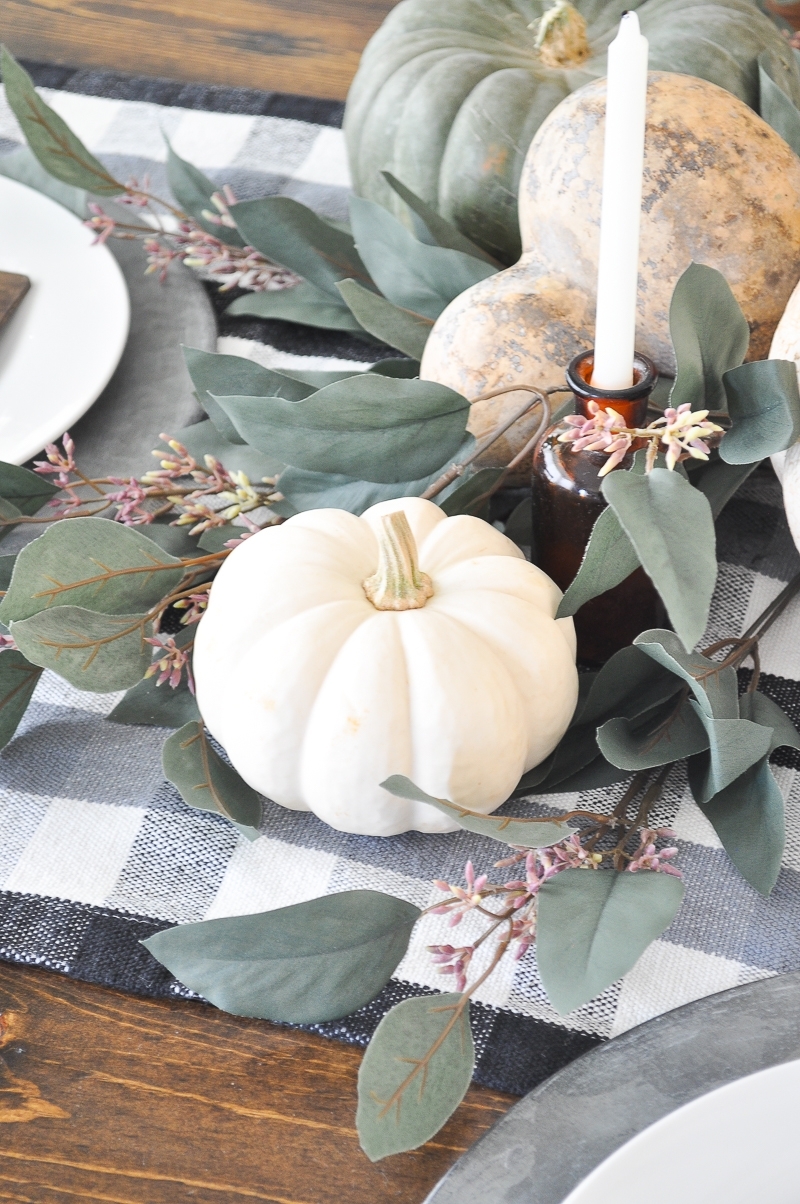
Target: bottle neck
[630, 404]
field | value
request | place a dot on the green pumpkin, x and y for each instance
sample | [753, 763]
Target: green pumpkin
[449, 93]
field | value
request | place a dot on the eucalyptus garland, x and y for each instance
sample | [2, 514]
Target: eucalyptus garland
[110, 605]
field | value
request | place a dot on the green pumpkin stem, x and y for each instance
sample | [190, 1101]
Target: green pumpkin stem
[561, 36]
[398, 583]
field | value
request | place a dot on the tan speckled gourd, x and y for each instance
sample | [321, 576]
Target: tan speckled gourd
[720, 187]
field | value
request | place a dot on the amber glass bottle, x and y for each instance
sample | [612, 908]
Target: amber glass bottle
[567, 500]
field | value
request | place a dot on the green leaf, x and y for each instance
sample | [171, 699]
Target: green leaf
[609, 558]
[761, 709]
[670, 525]
[629, 686]
[748, 817]
[715, 689]
[519, 524]
[719, 482]
[764, 405]
[159, 706]
[411, 274]
[469, 495]
[51, 140]
[400, 328]
[9, 518]
[313, 490]
[22, 165]
[508, 829]
[734, 745]
[442, 232]
[203, 438]
[18, 678]
[596, 775]
[193, 191]
[302, 964]
[370, 426]
[709, 334]
[303, 303]
[214, 374]
[775, 106]
[415, 1073]
[6, 569]
[92, 651]
[291, 234]
[90, 562]
[633, 746]
[26, 490]
[207, 782]
[593, 926]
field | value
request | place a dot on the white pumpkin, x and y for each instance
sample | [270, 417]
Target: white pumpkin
[786, 346]
[329, 659]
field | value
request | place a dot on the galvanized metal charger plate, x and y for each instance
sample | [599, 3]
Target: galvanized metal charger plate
[567, 1126]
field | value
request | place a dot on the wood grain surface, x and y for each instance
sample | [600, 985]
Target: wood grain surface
[113, 1098]
[311, 48]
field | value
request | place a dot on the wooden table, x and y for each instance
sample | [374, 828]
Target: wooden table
[311, 47]
[113, 1098]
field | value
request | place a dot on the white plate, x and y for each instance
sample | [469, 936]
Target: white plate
[59, 350]
[737, 1145]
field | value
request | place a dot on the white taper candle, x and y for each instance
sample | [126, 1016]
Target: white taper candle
[623, 159]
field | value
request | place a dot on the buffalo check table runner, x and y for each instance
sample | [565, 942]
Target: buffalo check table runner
[97, 851]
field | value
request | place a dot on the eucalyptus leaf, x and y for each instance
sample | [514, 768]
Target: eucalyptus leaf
[23, 166]
[93, 563]
[91, 650]
[26, 490]
[400, 328]
[716, 690]
[519, 524]
[303, 303]
[719, 482]
[214, 373]
[508, 829]
[392, 1118]
[159, 706]
[593, 926]
[595, 775]
[775, 106]
[175, 540]
[469, 495]
[764, 405]
[58, 150]
[207, 782]
[670, 525]
[311, 490]
[748, 813]
[633, 747]
[409, 273]
[9, 518]
[6, 569]
[370, 426]
[18, 678]
[734, 745]
[629, 686]
[291, 234]
[302, 964]
[609, 559]
[203, 439]
[748, 816]
[442, 232]
[193, 192]
[710, 335]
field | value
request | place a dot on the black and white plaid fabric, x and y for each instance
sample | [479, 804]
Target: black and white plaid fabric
[97, 850]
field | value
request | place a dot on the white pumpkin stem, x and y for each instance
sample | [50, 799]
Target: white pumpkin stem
[398, 584]
[561, 36]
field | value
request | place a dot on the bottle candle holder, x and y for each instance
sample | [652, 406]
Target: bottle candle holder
[567, 501]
